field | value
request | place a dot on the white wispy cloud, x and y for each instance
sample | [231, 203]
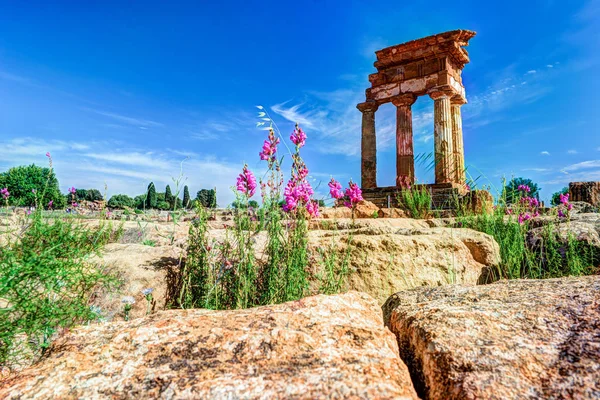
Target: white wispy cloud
[15, 78]
[545, 153]
[536, 169]
[123, 170]
[582, 165]
[571, 151]
[139, 122]
[532, 71]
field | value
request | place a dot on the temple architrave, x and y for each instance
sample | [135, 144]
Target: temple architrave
[429, 66]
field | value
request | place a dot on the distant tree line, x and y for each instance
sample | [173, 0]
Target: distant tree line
[153, 200]
[31, 186]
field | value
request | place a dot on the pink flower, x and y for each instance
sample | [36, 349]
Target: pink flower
[72, 190]
[561, 214]
[75, 204]
[298, 137]
[335, 189]
[354, 195]
[5, 193]
[48, 154]
[246, 182]
[313, 208]
[524, 217]
[50, 203]
[33, 191]
[269, 147]
[524, 188]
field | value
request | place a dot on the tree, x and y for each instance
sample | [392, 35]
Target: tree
[151, 196]
[556, 196]
[207, 198]
[121, 201]
[511, 191]
[186, 197]
[169, 196]
[80, 194]
[140, 201]
[94, 195]
[163, 205]
[27, 183]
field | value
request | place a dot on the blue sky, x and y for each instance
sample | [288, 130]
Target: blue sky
[122, 94]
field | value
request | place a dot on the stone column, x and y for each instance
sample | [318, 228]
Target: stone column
[405, 157]
[443, 149]
[457, 141]
[368, 147]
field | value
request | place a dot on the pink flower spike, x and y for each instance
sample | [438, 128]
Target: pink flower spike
[298, 137]
[335, 189]
[246, 182]
[48, 154]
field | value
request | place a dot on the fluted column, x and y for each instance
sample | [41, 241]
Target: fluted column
[444, 165]
[405, 157]
[457, 139]
[368, 147]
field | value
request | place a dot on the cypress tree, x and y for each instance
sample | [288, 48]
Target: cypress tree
[169, 196]
[186, 197]
[151, 197]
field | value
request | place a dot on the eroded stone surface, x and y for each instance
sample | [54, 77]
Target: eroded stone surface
[315, 348]
[526, 339]
[383, 260]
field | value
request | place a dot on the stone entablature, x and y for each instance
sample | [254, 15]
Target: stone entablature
[419, 66]
[428, 66]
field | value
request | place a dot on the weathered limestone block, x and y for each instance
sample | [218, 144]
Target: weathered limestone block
[384, 260]
[318, 347]
[522, 339]
[366, 209]
[479, 202]
[585, 191]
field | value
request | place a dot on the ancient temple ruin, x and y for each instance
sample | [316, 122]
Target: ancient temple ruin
[428, 66]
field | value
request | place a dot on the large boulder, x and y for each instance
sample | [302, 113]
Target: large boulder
[525, 339]
[383, 260]
[317, 347]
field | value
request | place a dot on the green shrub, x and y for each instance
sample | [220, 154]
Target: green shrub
[47, 284]
[121, 201]
[140, 201]
[31, 186]
[94, 195]
[163, 205]
[415, 200]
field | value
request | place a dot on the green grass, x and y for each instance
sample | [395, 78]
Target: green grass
[416, 201]
[555, 256]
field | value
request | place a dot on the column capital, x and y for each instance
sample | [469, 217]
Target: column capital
[407, 99]
[371, 106]
[458, 101]
[440, 92]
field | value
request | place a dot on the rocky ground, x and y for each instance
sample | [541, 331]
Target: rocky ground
[507, 340]
[386, 255]
[440, 335]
